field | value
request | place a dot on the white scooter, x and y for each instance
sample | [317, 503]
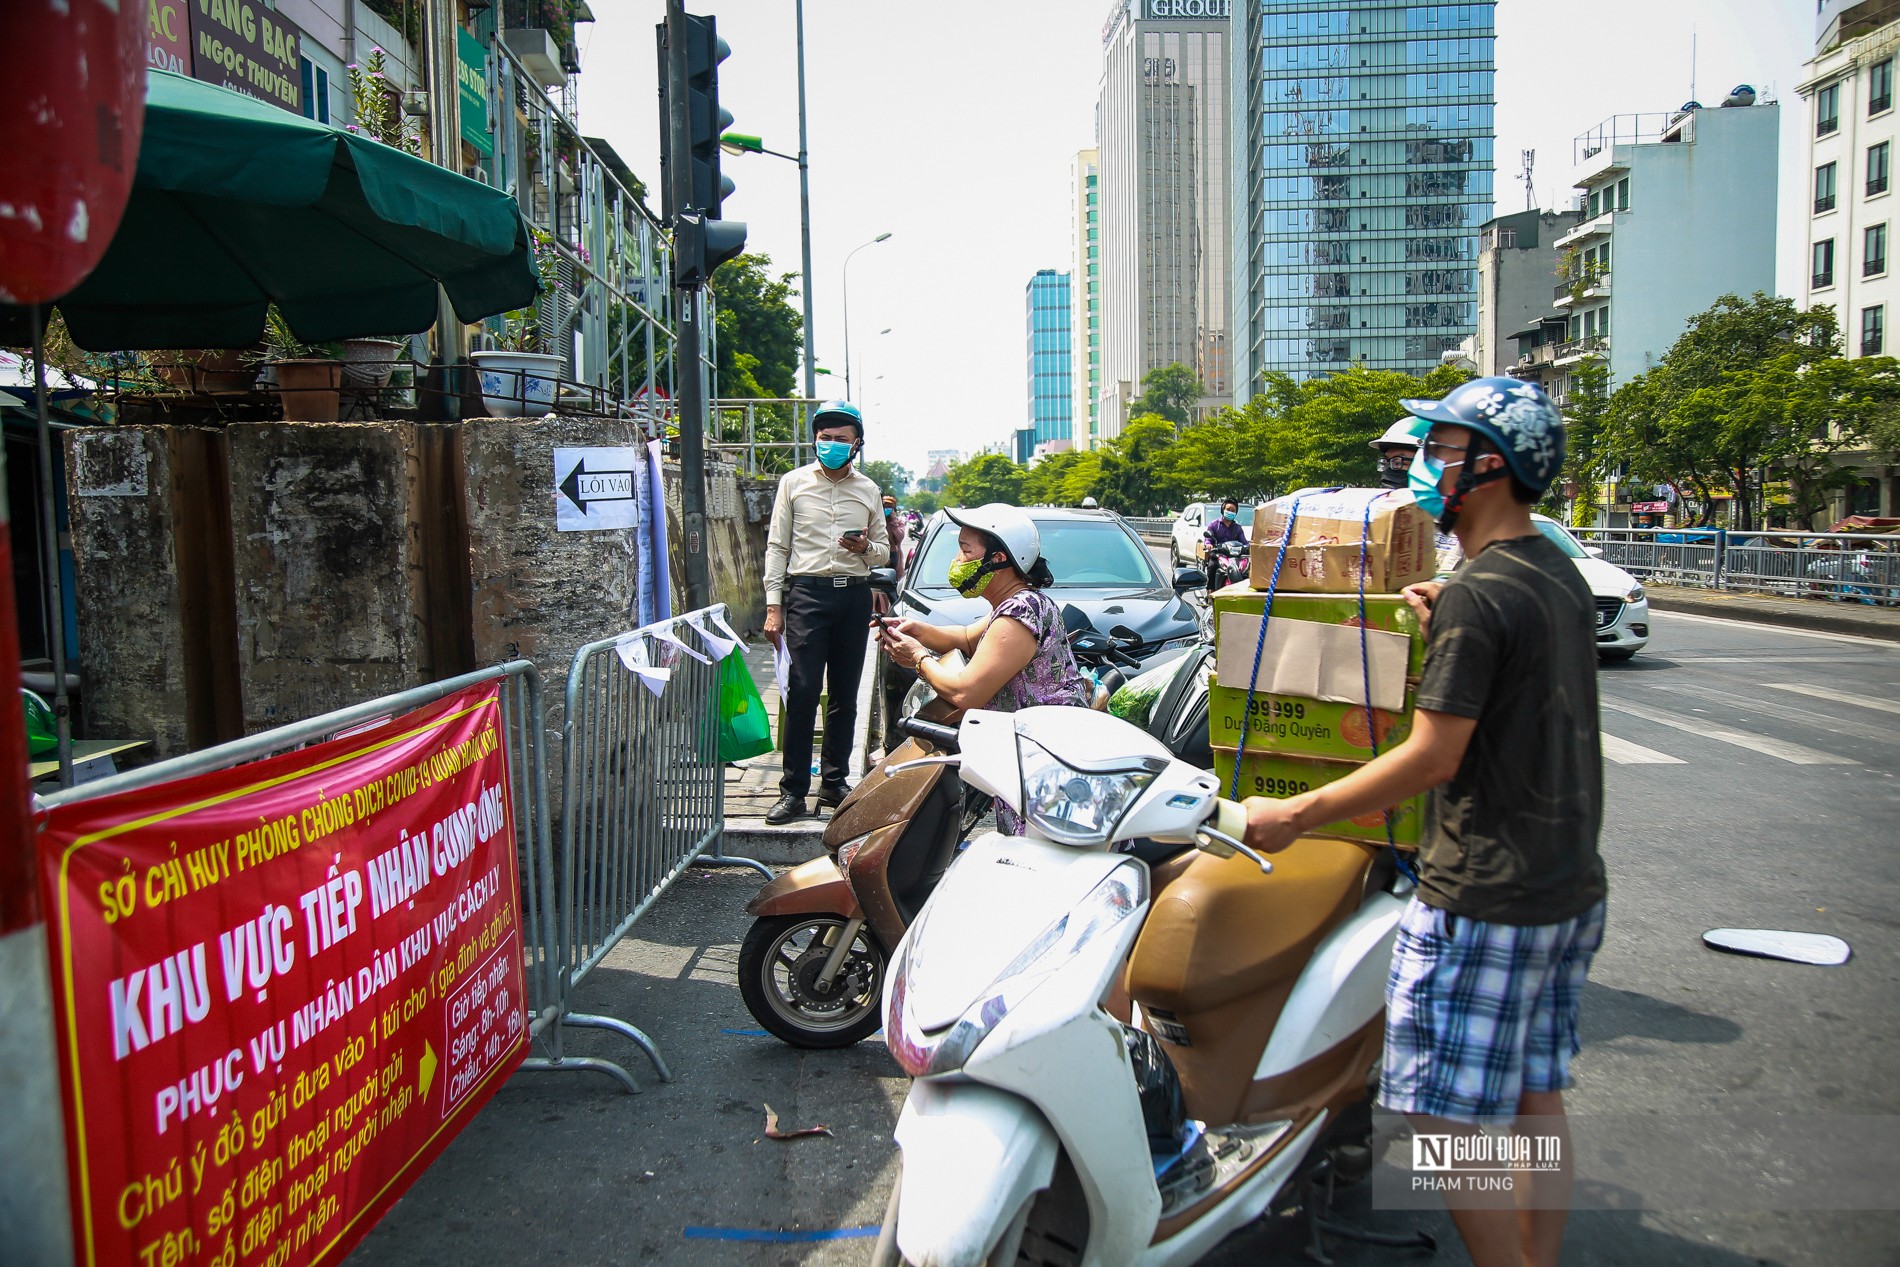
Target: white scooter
[1042, 1129]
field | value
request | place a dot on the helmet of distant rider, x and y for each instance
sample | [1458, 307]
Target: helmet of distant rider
[1517, 417]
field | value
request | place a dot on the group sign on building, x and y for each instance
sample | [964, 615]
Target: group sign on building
[238, 43]
[281, 989]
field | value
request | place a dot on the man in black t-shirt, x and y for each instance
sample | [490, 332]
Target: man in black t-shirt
[1493, 950]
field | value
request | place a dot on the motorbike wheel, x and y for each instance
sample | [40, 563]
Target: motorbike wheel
[779, 966]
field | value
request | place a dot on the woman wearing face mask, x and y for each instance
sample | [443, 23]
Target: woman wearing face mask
[1015, 657]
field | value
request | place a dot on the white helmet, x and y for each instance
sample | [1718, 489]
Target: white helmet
[1009, 525]
[1089, 503]
[1403, 434]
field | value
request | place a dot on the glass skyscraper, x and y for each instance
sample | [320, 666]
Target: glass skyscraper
[1051, 389]
[1363, 157]
[1085, 300]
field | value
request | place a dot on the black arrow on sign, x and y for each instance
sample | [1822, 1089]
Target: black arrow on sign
[600, 486]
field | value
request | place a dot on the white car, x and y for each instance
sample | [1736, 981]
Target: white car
[1185, 545]
[1622, 608]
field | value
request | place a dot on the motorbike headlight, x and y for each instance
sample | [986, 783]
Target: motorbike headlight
[1634, 596]
[920, 1054]
[1075, 807]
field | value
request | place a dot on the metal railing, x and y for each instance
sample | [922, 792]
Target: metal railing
[643, 793]
[1152, 527]
[1841, 566]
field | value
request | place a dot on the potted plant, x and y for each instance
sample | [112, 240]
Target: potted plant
[516, 379]
[308, 376]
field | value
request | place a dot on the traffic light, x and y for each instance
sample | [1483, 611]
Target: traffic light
[691, 180]
[701, 245]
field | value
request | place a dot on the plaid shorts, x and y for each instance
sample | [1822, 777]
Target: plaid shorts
[1476, 1018]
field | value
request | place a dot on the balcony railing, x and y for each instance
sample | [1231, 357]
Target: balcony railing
[1828, 126]
[1874, 267]
[1577, 349]
[1876, 105]
[1823, 279]
[1823, 202]
[1876, 185]
[1871, 347]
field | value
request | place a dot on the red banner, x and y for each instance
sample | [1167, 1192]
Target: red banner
[282, 989]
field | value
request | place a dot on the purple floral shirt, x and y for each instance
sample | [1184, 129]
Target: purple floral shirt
[1050, 677]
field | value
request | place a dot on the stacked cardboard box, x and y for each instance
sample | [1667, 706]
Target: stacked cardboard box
[1308, 723]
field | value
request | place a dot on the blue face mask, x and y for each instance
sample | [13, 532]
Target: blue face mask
[1231, 516]
[1423, 480]
[835, 453]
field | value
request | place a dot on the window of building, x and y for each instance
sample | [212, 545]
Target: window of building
[1880, 87]
[1873, 330]
[1873, 255]
[1623, 194]
[316, 91]
[1877, 167]
[1824, 263]
[1827, 110]
[1824, 188]
[1594, 206]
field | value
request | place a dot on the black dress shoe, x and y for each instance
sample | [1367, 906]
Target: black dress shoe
[832, 797]
[788, 808]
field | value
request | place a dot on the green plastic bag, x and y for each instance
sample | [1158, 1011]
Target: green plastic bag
[744, 729]
[42, 729]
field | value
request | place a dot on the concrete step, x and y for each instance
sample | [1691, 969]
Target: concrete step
[783, 844]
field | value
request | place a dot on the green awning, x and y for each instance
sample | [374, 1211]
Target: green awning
[238, 204]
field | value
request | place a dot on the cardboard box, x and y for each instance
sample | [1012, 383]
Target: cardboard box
[1289, 725]
[1332, 536]
[1388, 612]
[1316, 650]
[1269, 774]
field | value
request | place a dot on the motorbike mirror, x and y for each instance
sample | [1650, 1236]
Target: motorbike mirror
[1189, 579]
[1075, 620]
[1122, 633]
[1768, 943]
[884, 580]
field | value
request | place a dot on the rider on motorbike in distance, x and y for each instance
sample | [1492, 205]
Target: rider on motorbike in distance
[1219, 532]
[1018, 655]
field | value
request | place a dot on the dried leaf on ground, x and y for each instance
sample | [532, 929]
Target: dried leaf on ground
[773, 1132]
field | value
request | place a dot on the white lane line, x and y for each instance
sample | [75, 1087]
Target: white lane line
[1839, 697]
[1658, 616]
[1780, 749]
[1623, 752]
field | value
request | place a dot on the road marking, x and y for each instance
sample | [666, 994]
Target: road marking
[1839, 697]
[1623, 752]
[1780, 749]
[1658, 616]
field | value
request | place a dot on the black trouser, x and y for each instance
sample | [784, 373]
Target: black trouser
[825, 631]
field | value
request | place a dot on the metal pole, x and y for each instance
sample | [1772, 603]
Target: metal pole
[804, 214]
[847, 308]
[49, 553]
[445, 147]
[689, 349]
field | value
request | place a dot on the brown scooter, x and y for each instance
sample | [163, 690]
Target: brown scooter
[811, 969]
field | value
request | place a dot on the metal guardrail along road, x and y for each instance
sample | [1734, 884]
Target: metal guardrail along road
[1841, 566]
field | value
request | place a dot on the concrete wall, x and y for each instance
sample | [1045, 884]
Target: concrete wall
[152, 560]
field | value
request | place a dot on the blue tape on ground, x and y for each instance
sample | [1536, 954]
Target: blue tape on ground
[777, 1237]
[745, 1033]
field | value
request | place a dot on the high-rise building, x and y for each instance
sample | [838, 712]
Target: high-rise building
[1164, 140]
[1050, 381]
[1085, 300]
[1852, 134]
[1362, 170]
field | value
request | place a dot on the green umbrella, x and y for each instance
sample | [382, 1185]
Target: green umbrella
[238, 204]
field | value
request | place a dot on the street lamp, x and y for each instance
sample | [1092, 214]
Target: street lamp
[882, 237]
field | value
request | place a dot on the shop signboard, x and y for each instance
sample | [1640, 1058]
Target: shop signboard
[471, 79]
[281, 989]
[243, 45]
[169, 45]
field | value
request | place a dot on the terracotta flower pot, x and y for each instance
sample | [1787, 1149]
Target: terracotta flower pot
[309, 389]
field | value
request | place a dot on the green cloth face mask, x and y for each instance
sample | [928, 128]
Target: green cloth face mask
[970, 577]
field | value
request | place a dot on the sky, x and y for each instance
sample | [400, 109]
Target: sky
[954, 128]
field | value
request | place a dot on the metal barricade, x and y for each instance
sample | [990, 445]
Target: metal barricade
[644, 794]
[1667, 556]
[524, 723]
[1151, 528]
[1844, 566]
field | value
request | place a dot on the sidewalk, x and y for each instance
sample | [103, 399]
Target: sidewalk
[752, 786]
[1767, 609]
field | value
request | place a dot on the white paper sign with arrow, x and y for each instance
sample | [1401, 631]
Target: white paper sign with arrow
[596, 489]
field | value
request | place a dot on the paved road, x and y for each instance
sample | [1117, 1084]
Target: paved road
[1752, 780]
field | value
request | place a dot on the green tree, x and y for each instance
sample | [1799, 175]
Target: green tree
[760, 329]
[1751, 384]
[888, 476]
[1135, 475]
[1583, 437]
[985, 478]
[924, 502]
[1043, 485]
[1170, 392]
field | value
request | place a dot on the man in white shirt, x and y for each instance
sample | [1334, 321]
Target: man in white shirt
[827, 534]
